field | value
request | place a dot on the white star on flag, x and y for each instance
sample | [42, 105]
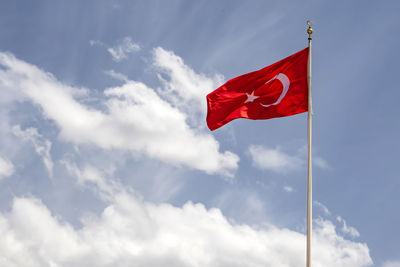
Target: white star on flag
[251, 97]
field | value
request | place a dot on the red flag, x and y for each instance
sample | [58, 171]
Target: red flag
[275, 91]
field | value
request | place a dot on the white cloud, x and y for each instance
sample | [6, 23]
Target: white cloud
[241, 205]
[317, 160]
[321, 163]
[123, 49]
[119, 51]
[343, 251]
[351, 231]
[273, 159]
[116, 75]
[391, 264]
[93, 178]
[132, 230]
[136, 119]
[185, 88]
[322, 207]
[96, 43]
[288, 189]
[42, 145]
[6, 168]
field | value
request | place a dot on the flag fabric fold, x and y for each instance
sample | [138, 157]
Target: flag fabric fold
[278, 90]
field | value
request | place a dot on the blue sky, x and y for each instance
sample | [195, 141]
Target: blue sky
[105, 158]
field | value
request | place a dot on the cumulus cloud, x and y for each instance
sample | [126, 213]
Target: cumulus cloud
[42, 145]
[345, 229]
[136, 119]
[273, 159]
[130, 230]
[6, 168]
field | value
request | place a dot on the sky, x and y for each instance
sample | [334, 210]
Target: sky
[106, 159]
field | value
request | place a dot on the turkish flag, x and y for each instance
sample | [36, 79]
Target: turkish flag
[275, 91]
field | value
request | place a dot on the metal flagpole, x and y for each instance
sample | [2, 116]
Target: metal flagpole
[309, 135]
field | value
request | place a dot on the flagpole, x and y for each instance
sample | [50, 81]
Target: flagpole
[309, 135]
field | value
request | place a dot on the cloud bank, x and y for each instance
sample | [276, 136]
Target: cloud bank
[136, 118]
[132, 232]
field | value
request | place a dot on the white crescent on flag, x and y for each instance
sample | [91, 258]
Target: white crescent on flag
[285, 83]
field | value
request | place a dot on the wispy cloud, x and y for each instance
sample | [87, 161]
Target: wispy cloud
[391, 264]
[273, 159]
[123, 48]
[321, 163]
[96, 43]
[322, 207]
[349, 230]
[116, 75]
[288, 189]
[6, 168]
[42, 145]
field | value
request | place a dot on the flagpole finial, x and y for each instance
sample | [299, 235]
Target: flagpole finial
[309, 30]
